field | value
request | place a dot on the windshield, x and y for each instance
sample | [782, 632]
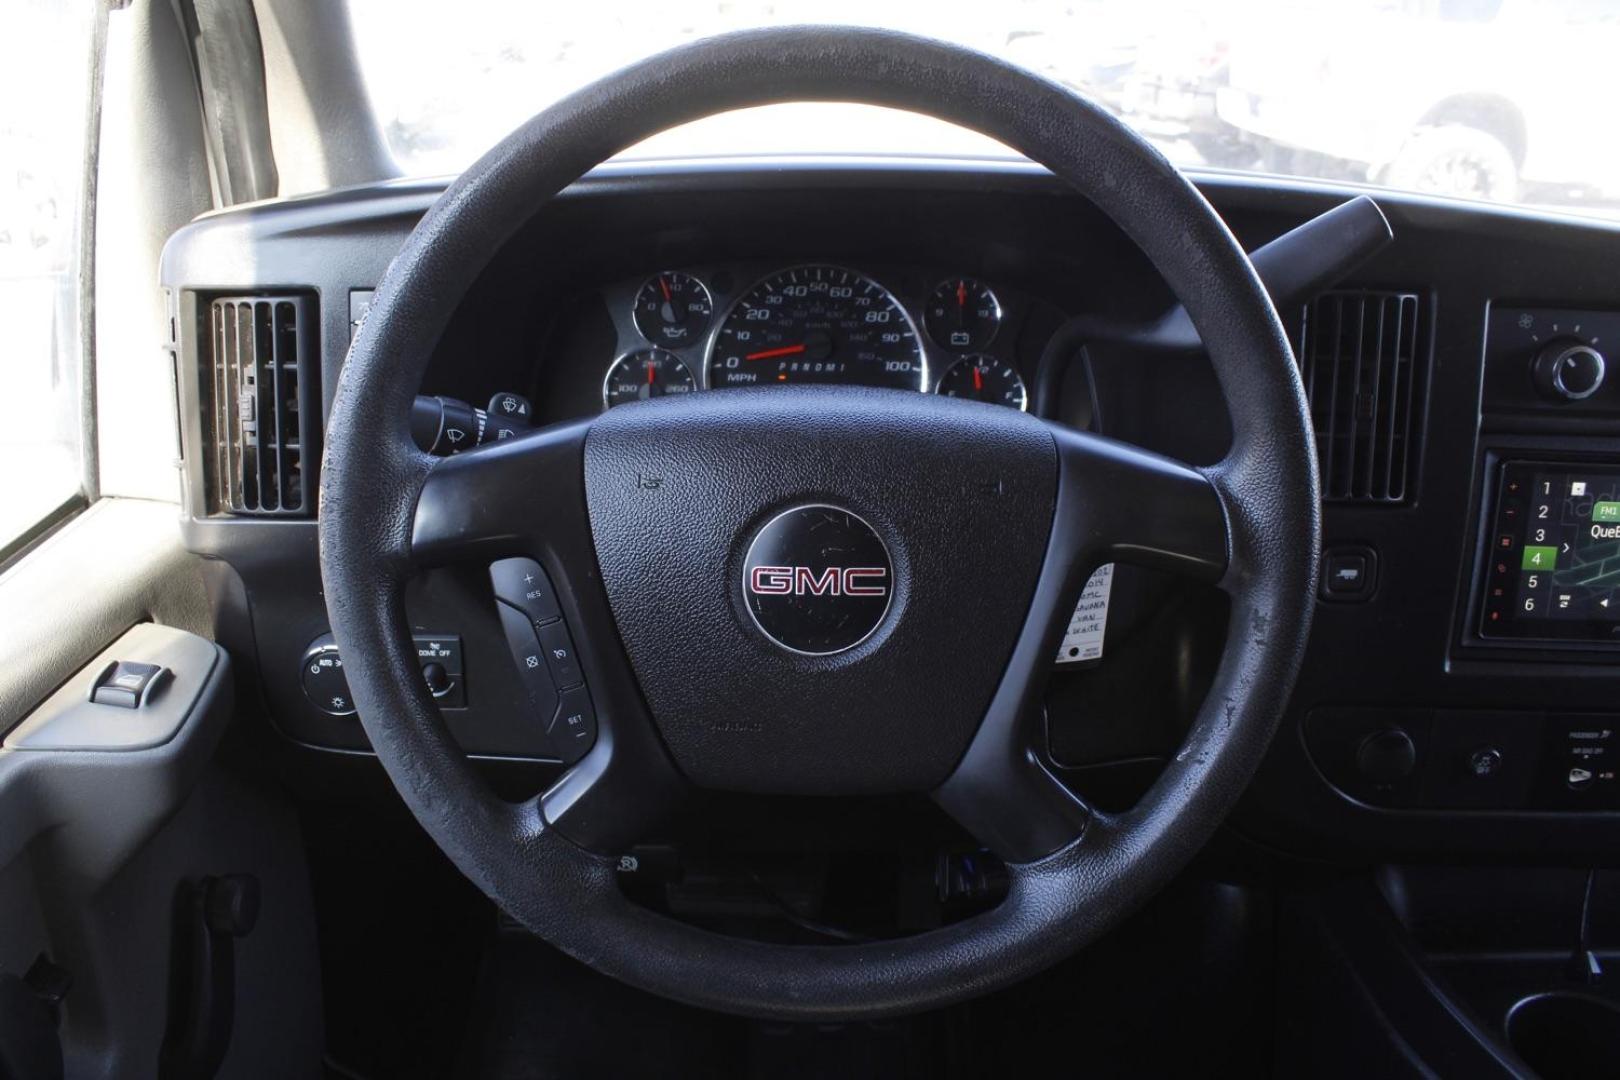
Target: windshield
[1440, 96]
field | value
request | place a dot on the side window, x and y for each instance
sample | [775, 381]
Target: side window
[45, 124]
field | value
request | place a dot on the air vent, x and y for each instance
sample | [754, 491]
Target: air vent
[259, 371]
[1366, 371]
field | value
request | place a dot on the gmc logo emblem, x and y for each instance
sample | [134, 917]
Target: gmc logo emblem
[804, 605]
[833, 581]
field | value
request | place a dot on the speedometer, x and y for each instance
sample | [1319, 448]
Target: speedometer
[817, 324]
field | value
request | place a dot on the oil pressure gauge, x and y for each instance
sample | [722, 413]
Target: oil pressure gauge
[673, 309]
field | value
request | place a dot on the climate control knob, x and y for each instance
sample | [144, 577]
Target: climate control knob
[1568, 370]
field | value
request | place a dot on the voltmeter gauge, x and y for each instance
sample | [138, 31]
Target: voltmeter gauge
[962, 315]
[648, 373]
[984, 378]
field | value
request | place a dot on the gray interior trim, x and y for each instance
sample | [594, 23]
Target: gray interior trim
[99, 800]
[69, 721]
[153, 179]
[324, 132]
[117, 564]
[228, 64]
[89, 457]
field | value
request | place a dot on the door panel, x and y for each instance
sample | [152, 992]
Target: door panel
[118, 563]
[115, 820]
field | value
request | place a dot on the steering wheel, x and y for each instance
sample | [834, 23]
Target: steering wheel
[670, 529]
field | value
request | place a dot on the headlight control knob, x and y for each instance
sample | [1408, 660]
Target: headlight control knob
[1568, 370]
[325, 683]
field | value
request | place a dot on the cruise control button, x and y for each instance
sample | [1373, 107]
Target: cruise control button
[531, 664]
[523, 584]
[574, 728]
[559, 649]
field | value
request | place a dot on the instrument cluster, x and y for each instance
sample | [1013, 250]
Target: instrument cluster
[681, 331]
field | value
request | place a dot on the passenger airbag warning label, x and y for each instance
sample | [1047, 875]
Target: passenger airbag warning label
[1083, 640]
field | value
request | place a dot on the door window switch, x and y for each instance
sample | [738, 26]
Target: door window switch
[125, 684]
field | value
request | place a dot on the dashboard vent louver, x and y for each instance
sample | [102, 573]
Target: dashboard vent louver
[259, 378]
[1366, 372]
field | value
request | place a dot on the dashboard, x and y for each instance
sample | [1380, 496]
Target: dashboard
[1459, 694]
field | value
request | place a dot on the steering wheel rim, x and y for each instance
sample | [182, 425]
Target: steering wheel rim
[387, 509]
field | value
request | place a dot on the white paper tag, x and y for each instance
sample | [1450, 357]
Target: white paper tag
[1083, 640]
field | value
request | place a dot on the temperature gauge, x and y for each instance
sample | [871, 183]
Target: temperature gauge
[984, 378]
[649, 373]
[962, 315]
[673, 309]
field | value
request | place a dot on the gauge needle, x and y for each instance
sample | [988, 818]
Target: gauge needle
[785, 350]
[667, 310]
[978, 379]
[961, 294]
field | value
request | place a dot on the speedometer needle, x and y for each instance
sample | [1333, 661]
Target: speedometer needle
[766, 354]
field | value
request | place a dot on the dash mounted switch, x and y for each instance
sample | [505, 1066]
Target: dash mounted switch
[1349, 573]
[326, 685]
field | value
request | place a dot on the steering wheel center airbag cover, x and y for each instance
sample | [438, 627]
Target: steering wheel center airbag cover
[817, 580]
[679, 493]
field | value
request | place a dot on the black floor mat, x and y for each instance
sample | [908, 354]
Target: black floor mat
[1182, 989]
[542, 1016]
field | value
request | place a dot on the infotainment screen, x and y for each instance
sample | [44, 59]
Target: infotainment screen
[1553, 557]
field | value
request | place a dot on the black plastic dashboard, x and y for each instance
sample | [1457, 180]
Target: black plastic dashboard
[1415, 731]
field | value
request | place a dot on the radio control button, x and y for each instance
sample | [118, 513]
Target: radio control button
[1568, 370]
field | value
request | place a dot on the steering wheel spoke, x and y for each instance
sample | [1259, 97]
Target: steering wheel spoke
[1004, 795]
[1115, 502]
[523, 499]
[1120, 503]
[501, 499]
